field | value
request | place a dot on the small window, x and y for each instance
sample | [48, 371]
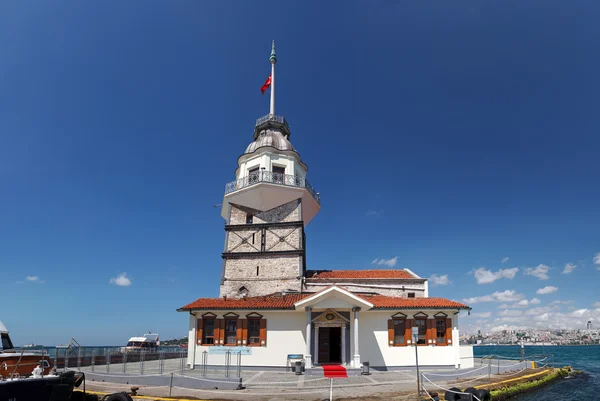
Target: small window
[411, 294]
[208, 331]
[256, 270]
[253, 175]
[253, 238]
[253, 331]
[278, 174]
[230, 331]
[249, 218]
[399, 331]
[440, 328]
[422, 325]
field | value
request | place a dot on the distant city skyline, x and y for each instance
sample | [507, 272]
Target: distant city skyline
[457, 140]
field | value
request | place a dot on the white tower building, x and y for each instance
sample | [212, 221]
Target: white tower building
[266, 209]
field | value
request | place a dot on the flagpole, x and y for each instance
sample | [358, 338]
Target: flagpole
[273, 60]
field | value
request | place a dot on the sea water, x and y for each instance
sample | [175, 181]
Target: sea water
[585, 358]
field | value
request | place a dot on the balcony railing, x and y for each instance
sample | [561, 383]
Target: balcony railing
[272, 178]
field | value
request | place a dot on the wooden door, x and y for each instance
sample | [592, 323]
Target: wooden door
[324, 344]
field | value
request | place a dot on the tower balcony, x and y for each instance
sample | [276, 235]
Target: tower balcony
[272, 178]
[272, 121]
[266, 190]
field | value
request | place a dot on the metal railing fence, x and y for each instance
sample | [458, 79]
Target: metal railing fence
[272, 178]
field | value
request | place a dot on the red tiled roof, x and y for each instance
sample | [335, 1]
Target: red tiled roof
[331, 274]
[386, 302]
[274, 301]
[278, 301]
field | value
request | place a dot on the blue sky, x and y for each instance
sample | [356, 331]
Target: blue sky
[444, 136]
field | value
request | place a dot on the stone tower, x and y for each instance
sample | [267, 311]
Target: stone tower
[266, 209]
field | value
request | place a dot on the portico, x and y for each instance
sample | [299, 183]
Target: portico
[332, 317]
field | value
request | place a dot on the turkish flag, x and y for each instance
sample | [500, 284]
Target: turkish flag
[266, 85]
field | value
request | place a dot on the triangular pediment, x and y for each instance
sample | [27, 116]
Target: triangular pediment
[334, 297]
[330, 318]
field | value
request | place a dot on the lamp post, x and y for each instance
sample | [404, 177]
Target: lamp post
[415, 338]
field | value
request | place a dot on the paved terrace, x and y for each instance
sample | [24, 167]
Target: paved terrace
[270, 385]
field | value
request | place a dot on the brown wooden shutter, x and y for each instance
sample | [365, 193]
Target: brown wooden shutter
[408, 331]
[239, 334]
[263, 332]
[244, 331]
[199, 326]
[391, 332]
[431, 334]
[448, 330]
[219, 331]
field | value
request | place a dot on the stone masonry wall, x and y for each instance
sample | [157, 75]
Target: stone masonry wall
[275, 274]
[382, 287]
[287, 212]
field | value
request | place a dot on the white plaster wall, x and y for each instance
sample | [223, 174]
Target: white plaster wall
[466, 356]
[191, 340]
[374, 348]
[267, 159]
[286, 332]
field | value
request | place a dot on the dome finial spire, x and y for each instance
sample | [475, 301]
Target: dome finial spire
[273, 60]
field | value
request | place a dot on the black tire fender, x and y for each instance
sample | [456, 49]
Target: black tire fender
[484, 395]
[469, 390]
[119, 397]
[450, 396]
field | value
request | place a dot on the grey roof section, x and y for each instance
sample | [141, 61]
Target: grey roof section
[270, 138]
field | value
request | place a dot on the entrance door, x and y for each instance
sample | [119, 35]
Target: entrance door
[330, 345]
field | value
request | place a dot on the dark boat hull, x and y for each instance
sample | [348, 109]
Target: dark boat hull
[51, 388]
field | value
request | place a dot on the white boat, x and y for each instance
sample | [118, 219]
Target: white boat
[146, 342]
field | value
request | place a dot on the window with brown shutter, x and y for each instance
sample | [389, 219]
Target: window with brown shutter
[205, 330]
[252, 334]
[397, 334]
[440, 331]
[443, 329]
[231, 328]
[420, 321]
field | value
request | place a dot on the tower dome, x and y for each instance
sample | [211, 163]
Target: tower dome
[270, 138]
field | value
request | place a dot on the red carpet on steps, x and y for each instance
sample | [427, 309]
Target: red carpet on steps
[335, 371]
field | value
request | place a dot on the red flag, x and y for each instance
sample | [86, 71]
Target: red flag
[266, 85]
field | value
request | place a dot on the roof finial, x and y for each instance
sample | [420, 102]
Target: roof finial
[273, 58]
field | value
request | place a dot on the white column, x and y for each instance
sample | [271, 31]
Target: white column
[272, 89]
[307, 357]
[343, 344]
[316, 358]
[192, 343]
[456, 341]
[356, 353]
